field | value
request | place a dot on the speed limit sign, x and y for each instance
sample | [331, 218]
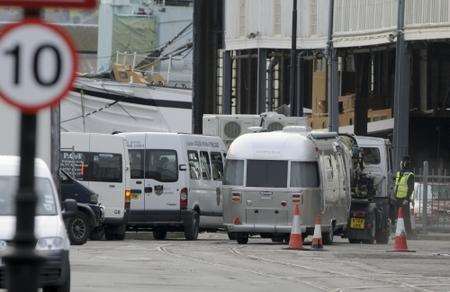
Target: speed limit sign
[38, 65]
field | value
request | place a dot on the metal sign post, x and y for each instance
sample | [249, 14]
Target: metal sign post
[39, 69]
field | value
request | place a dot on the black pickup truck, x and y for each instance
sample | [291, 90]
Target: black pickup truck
[88, 220]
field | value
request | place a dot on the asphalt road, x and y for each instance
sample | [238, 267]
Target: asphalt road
[214, 263]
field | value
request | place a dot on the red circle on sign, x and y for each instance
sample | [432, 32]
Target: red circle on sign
[68, 41]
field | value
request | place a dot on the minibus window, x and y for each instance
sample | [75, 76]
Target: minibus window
[234, 172]
[106, 167]
[267, 173]
[75, 164]
[304, 175]
[371, 155]
[137, 164]
[194, 165]
[217, 165]
[161, 165]
[206, 168]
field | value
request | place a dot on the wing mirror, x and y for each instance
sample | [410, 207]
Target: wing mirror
[182, 167]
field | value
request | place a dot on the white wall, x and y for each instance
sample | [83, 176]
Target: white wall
[10, 132]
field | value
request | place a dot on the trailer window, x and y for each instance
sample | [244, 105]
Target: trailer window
[267, 173]
[234, 172]
[137, 164]
[106, 167]
[206, 168]
[161, 165]
[371, 155]
[194, 165]
[76, 164]
[217, 165]
[304, 175]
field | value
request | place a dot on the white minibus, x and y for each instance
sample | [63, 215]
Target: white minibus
[176, 182]
[100, 162]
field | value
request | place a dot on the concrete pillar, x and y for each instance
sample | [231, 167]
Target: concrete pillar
[261, 81]
[226, 79]
[423, 80]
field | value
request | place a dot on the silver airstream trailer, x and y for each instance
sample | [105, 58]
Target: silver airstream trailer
[265, 172]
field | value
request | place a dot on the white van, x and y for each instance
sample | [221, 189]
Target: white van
[50, 230]
[100, 162]
[176, 182]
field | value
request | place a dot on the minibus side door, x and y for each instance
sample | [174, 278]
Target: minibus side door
[137, 169]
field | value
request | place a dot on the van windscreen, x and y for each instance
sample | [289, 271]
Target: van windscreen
[46, 204]
[305, 175]
[234, 173]
[371, 155]
[161, 165]
[267, 173]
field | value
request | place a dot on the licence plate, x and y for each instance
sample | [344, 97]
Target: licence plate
[266, 195]
[357, 223]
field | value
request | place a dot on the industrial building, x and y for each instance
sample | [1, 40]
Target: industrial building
[362, 35]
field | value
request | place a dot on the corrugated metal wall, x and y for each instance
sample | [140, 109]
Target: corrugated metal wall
[267, 23]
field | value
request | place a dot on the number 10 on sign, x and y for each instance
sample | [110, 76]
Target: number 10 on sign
[38, 65]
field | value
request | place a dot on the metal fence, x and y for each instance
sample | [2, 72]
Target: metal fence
[432, 199]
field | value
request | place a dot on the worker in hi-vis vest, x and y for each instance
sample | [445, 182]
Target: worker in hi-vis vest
[403, 189]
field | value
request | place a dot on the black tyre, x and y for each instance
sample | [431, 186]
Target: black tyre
[191, 229]
[97, 233]
[242, 238]
[231, 236]
[328, 237]
[159, 234]
[78, 228]
[120, 232]
[65, 287]
[115, 232]
[382, 236]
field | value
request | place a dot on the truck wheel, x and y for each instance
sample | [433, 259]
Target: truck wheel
[242, 238]
[97, 233]
[192, 228]
[78, 228]
[231, 236]
[328, 237]
[159, 234]
[382, 236]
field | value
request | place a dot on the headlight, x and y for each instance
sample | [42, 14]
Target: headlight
[94, 198]
[50, 243]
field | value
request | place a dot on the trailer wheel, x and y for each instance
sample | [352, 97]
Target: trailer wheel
[242, 238]
[231, 236]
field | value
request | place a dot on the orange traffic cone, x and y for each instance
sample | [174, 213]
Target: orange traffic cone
[296, 240]
[400, 244]
[317, 243]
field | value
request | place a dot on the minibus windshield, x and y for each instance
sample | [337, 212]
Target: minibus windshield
[267, 173]
[234, 173]
[46, 198]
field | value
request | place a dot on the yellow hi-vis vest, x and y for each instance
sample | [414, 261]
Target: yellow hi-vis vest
[401, 184]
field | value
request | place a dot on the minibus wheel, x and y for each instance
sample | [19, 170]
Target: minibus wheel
[191, 229]
[242, 238]
[159, 234]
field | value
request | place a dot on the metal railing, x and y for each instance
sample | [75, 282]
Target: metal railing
[432, 199]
